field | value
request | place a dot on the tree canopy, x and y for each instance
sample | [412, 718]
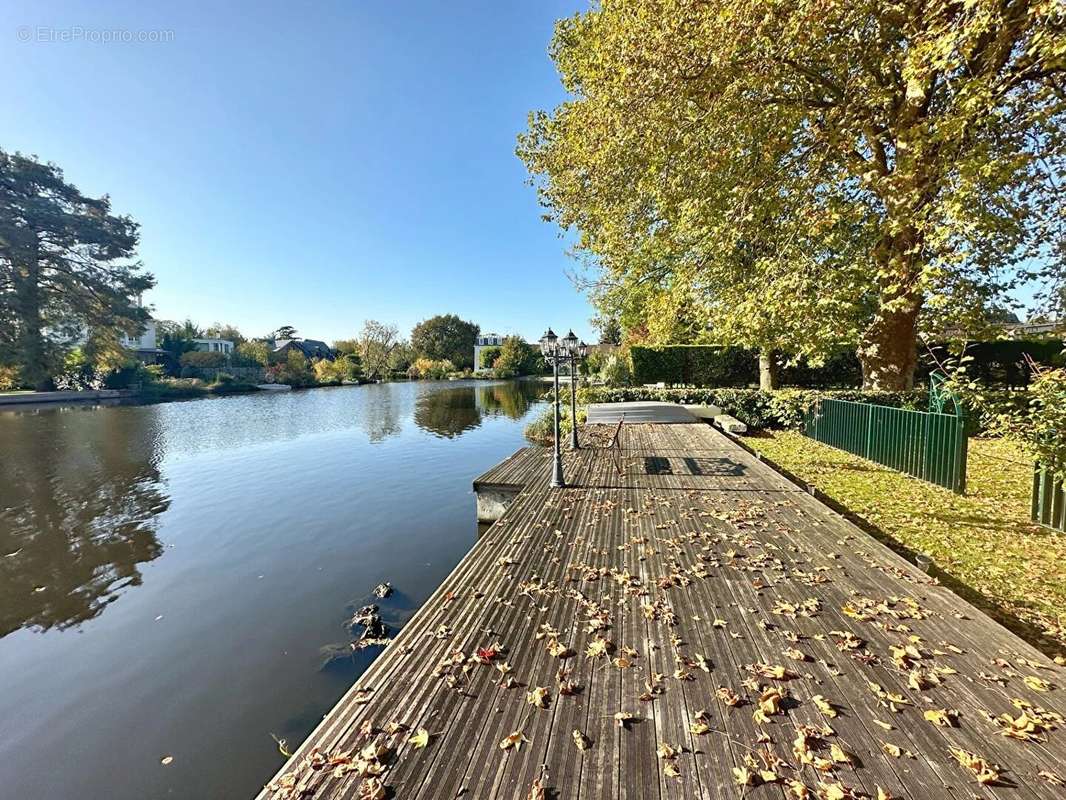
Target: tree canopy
[376, 341]
[67, 271]
[445, 337]
[797, 174]
[517, 357]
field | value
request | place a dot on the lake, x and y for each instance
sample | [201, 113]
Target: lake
[175, 579]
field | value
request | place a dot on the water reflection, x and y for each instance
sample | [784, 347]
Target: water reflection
[81, 491]
[79, 498]
[450, 412]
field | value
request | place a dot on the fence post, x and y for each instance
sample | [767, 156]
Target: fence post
[869, 430]
[962, 444]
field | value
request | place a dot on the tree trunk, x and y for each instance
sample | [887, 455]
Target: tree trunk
[889, 349]
[29, 341]
[767, 371]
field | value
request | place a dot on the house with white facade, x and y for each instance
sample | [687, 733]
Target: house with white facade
[223, 346]
[145, 347]
[485, 340]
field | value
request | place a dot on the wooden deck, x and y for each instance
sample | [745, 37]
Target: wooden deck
[763, 645]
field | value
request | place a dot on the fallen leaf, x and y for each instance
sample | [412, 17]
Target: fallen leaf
[1036, 684]
[372, 789]
[538, 697]
[420, 738]
[944, 717]
[824, 706]
[514, 740]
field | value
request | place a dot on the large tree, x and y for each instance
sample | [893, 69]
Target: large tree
[446, 337]
[376, 342]
[67, 274]
[885, 164]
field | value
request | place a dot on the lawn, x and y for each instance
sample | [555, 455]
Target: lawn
[983, 544]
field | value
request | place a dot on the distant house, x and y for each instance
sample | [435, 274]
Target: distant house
[224, 346]
[145, 346]
[312, 349]
[483, 341]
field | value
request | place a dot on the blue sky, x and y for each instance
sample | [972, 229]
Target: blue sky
[312, 164]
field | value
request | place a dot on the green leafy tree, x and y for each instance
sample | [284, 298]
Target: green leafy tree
[401, 357]
[610, 329]
[346, 346]
[852, 169]
[254, 351]
[177, 338]
[295, 371]
[67, 268]
[285, 332]
[228, 332]
[516, 358]
[445, 337]
[376, 341]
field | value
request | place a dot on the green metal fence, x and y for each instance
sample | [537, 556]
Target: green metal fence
[1049, 499]
[927, 445]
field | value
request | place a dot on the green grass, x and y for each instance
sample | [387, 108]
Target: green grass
[983, 543]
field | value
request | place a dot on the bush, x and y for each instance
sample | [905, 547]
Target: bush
[203, 360]
[9, 377]
[488, 357]
[594, 363]
[541, 430]
[758, 409]
[428, 369]
[615, 371]
[295, 371]
[335, 372]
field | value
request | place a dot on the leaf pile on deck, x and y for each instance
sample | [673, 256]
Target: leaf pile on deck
[713, 643]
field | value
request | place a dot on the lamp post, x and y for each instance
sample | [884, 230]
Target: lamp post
[578, 351]
[549, 348]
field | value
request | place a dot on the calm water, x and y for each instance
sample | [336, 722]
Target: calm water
[172, 576]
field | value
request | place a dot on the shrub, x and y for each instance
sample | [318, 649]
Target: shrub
[295, 371]
[541, 430]
[758, 409]
[428, 369]
[203, 360]
[337, 371]
[615, 371]
[253, 353]
[9, 377]
[488, 356]
[593, 363]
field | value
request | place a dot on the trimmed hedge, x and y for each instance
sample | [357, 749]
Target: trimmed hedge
[994, 363]
[1001, 362]
[713, 365]
[784, 408]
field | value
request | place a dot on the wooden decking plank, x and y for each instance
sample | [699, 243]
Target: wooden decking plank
[695, 495]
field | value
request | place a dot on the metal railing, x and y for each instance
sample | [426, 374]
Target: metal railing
[1049, 499]
[927, 445]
